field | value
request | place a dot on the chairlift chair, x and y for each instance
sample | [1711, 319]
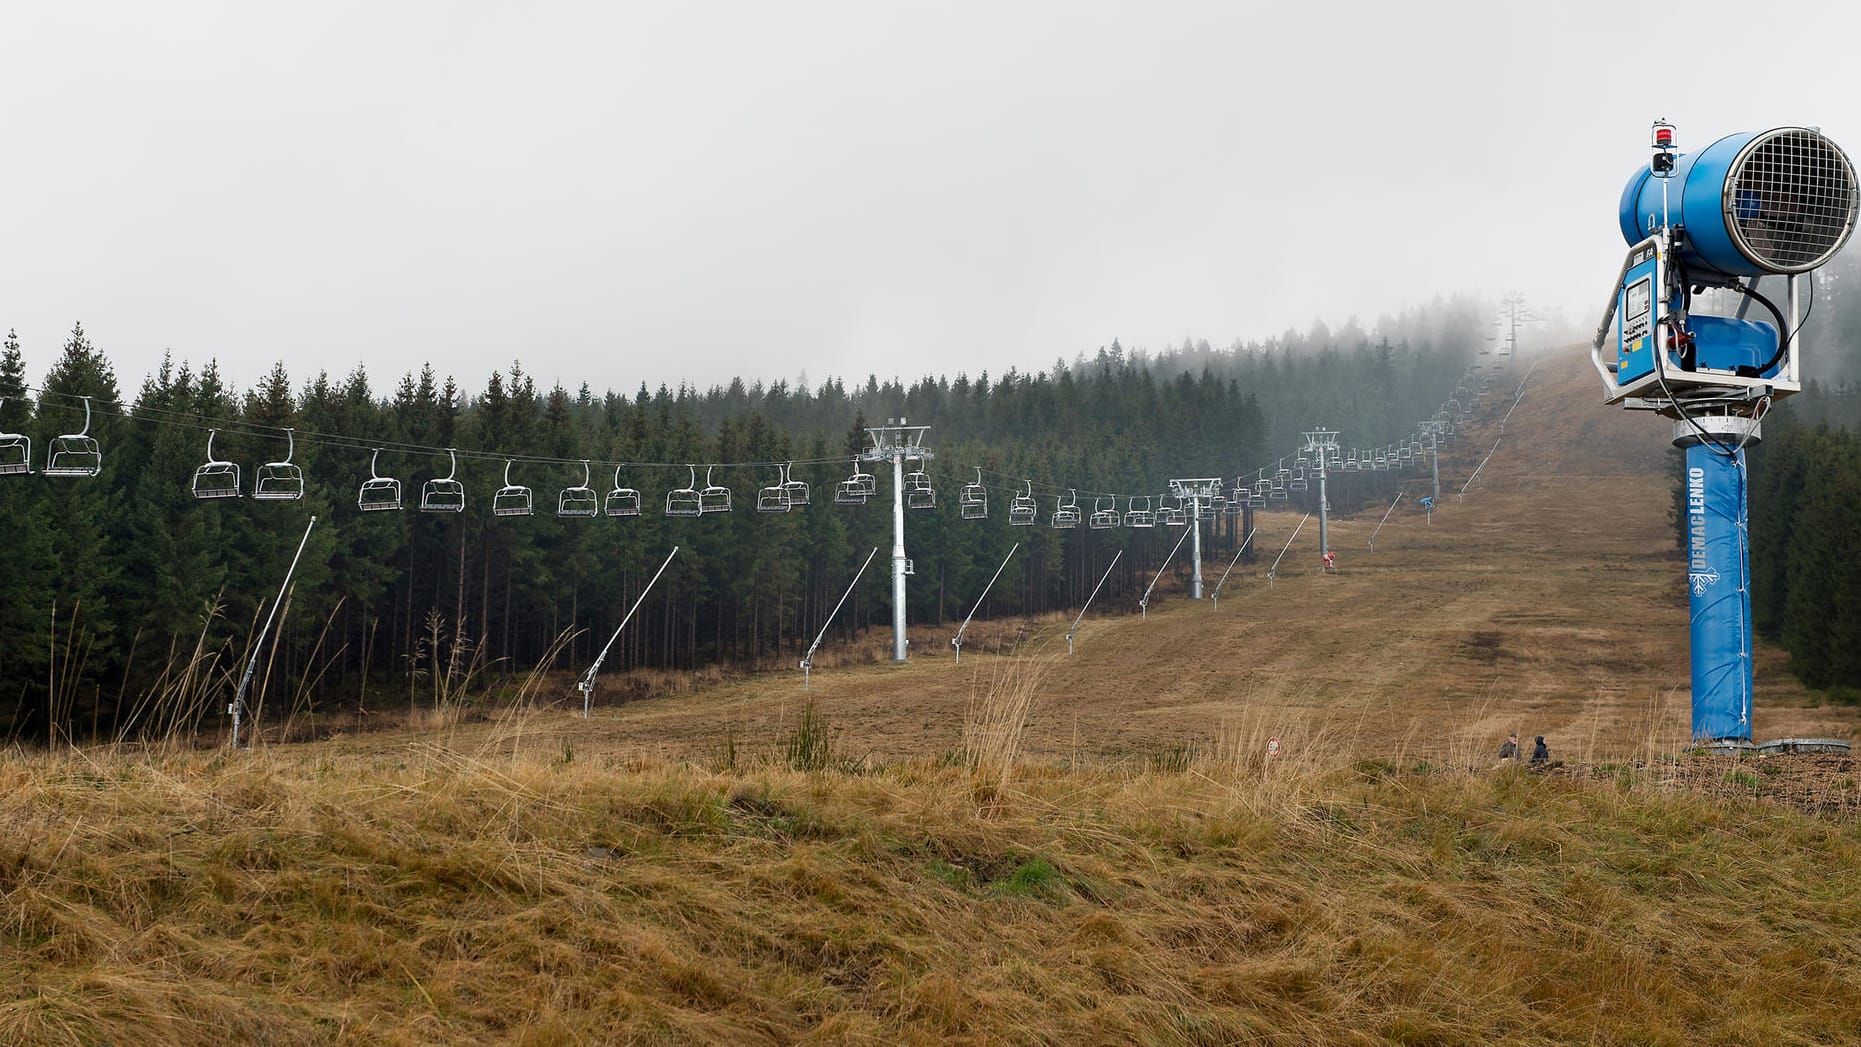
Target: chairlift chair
[511, 499]
[444, 494]
[216, 479]
[1104, 513]
[378, 492]
[974, 500]
[714, 498]
[1297, 481]
[1257, 498]
[1302, 463]
[280, 481]
[918, 493]
[855, 489]
[1140, 516]
[773, 498]
[75, 454]
[579, 502]
[1066, 511]
[1171, 515]
[16, 451]
[1022, 510]
[797, 489]
[685, 501]
[621, 501]
[1237, 501]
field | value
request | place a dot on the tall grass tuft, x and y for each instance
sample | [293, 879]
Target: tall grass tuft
[995, 719]
[810, 747]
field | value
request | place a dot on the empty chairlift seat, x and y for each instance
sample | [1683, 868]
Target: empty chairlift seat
[855, 489]
[280, 481]
[580, 501]
[974, 501]
[444, 494]
[378, 492]
[215, 478]
[685, 501]
[715, 498]
[1066, 511]
[1170, 512]
[918, 492]
[75, 454]
[796, 490]
[621, 501]
[1138, 513]
[1022, 510]
[1104, 513]
[773, 498]
[511, 499]
[16, 452]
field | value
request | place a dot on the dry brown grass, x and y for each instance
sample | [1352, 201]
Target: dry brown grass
[433, 895]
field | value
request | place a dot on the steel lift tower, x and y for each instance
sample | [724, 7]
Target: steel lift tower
[1198, 491]
[1324, 444]
[897, 442]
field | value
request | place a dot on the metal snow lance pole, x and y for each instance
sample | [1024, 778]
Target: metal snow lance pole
[1143, 604]
[1088, 606]
[807, 660]
[957, 640]
[586, 683]
[238, 706]
[1273, 571]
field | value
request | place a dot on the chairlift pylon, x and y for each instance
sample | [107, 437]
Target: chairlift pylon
[75, 454]
[622, 501]
[215, 478]
[685, 501]
[1021, 509]
[511, 499]
[579, 502]
[16, 452]
[974, 500]
[280, 481]
[444, 494]
[714, 498]
[378, 492]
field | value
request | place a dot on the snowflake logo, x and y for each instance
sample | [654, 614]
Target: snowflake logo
[1703, 580]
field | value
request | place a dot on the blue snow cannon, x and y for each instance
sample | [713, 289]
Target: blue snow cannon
[1751, 204]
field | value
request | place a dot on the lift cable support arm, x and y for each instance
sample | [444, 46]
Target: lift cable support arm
[238, 706]
[586, 683]
[1088, 606]
[957, 640]
[807, 660]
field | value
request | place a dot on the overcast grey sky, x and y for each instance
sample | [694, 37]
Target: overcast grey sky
[618, 192]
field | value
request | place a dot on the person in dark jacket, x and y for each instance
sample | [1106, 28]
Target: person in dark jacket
[1540, 753]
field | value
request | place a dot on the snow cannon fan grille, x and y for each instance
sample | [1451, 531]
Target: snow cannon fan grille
[1790, 200]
